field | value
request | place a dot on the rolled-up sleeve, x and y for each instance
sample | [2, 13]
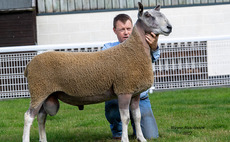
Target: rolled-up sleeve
[155, 55]
[110, 44]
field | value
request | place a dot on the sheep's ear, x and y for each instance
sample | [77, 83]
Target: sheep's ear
[157, 8]
[140, 8]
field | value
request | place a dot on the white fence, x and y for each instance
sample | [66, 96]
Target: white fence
[193, 63]
[184, 63]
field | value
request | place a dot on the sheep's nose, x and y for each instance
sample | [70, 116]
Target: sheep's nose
[169, 27]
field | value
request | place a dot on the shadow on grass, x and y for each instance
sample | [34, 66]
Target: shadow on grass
[83, 136]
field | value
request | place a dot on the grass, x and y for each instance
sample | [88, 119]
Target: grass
[191, 115]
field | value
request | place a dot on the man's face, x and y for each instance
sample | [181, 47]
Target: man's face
[123, 30]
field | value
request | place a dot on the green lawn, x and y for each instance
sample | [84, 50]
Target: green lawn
[191, 115]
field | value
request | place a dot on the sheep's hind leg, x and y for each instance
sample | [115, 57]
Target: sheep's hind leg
[28, 120]
[123, 103]
[135, 110]
[50, 106]
[41, 124]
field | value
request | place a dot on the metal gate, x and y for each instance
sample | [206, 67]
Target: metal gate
[183, 63]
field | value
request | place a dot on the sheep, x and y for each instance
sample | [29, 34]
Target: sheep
[79, 79]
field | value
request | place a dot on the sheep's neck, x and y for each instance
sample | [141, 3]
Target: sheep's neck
[142, 33]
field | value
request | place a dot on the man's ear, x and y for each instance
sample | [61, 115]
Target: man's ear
[140, 9]
[157, 8]
[114, 30]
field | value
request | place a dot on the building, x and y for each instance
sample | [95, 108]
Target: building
[17, 23]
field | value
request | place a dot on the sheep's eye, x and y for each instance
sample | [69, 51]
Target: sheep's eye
[147, 14]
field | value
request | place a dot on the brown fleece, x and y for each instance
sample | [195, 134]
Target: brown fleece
[125, 67]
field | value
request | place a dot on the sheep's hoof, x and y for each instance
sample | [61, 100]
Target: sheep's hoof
[81, 107]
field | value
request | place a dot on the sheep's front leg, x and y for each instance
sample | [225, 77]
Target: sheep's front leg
[123, 102]
[135, 110]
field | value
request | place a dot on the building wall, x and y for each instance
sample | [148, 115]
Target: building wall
[197, 21]
[18, 28]
[17, 22]
[16, 4]
[58, 6]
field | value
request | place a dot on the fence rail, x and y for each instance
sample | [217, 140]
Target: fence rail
[184, 63]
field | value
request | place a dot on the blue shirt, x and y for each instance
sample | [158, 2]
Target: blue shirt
[155, 57]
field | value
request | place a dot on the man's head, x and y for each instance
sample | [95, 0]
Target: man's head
[122, 26]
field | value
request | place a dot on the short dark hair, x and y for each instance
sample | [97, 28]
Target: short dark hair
[121, 17]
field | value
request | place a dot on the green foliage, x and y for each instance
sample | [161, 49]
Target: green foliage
[182, 115]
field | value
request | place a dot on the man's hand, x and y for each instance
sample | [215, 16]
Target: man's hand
[152, 40]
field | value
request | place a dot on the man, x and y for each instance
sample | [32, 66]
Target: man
[122, 27]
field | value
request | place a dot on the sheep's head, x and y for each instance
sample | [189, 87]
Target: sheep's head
[154, 21]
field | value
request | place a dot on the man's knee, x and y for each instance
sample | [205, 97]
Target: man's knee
[113, 115]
